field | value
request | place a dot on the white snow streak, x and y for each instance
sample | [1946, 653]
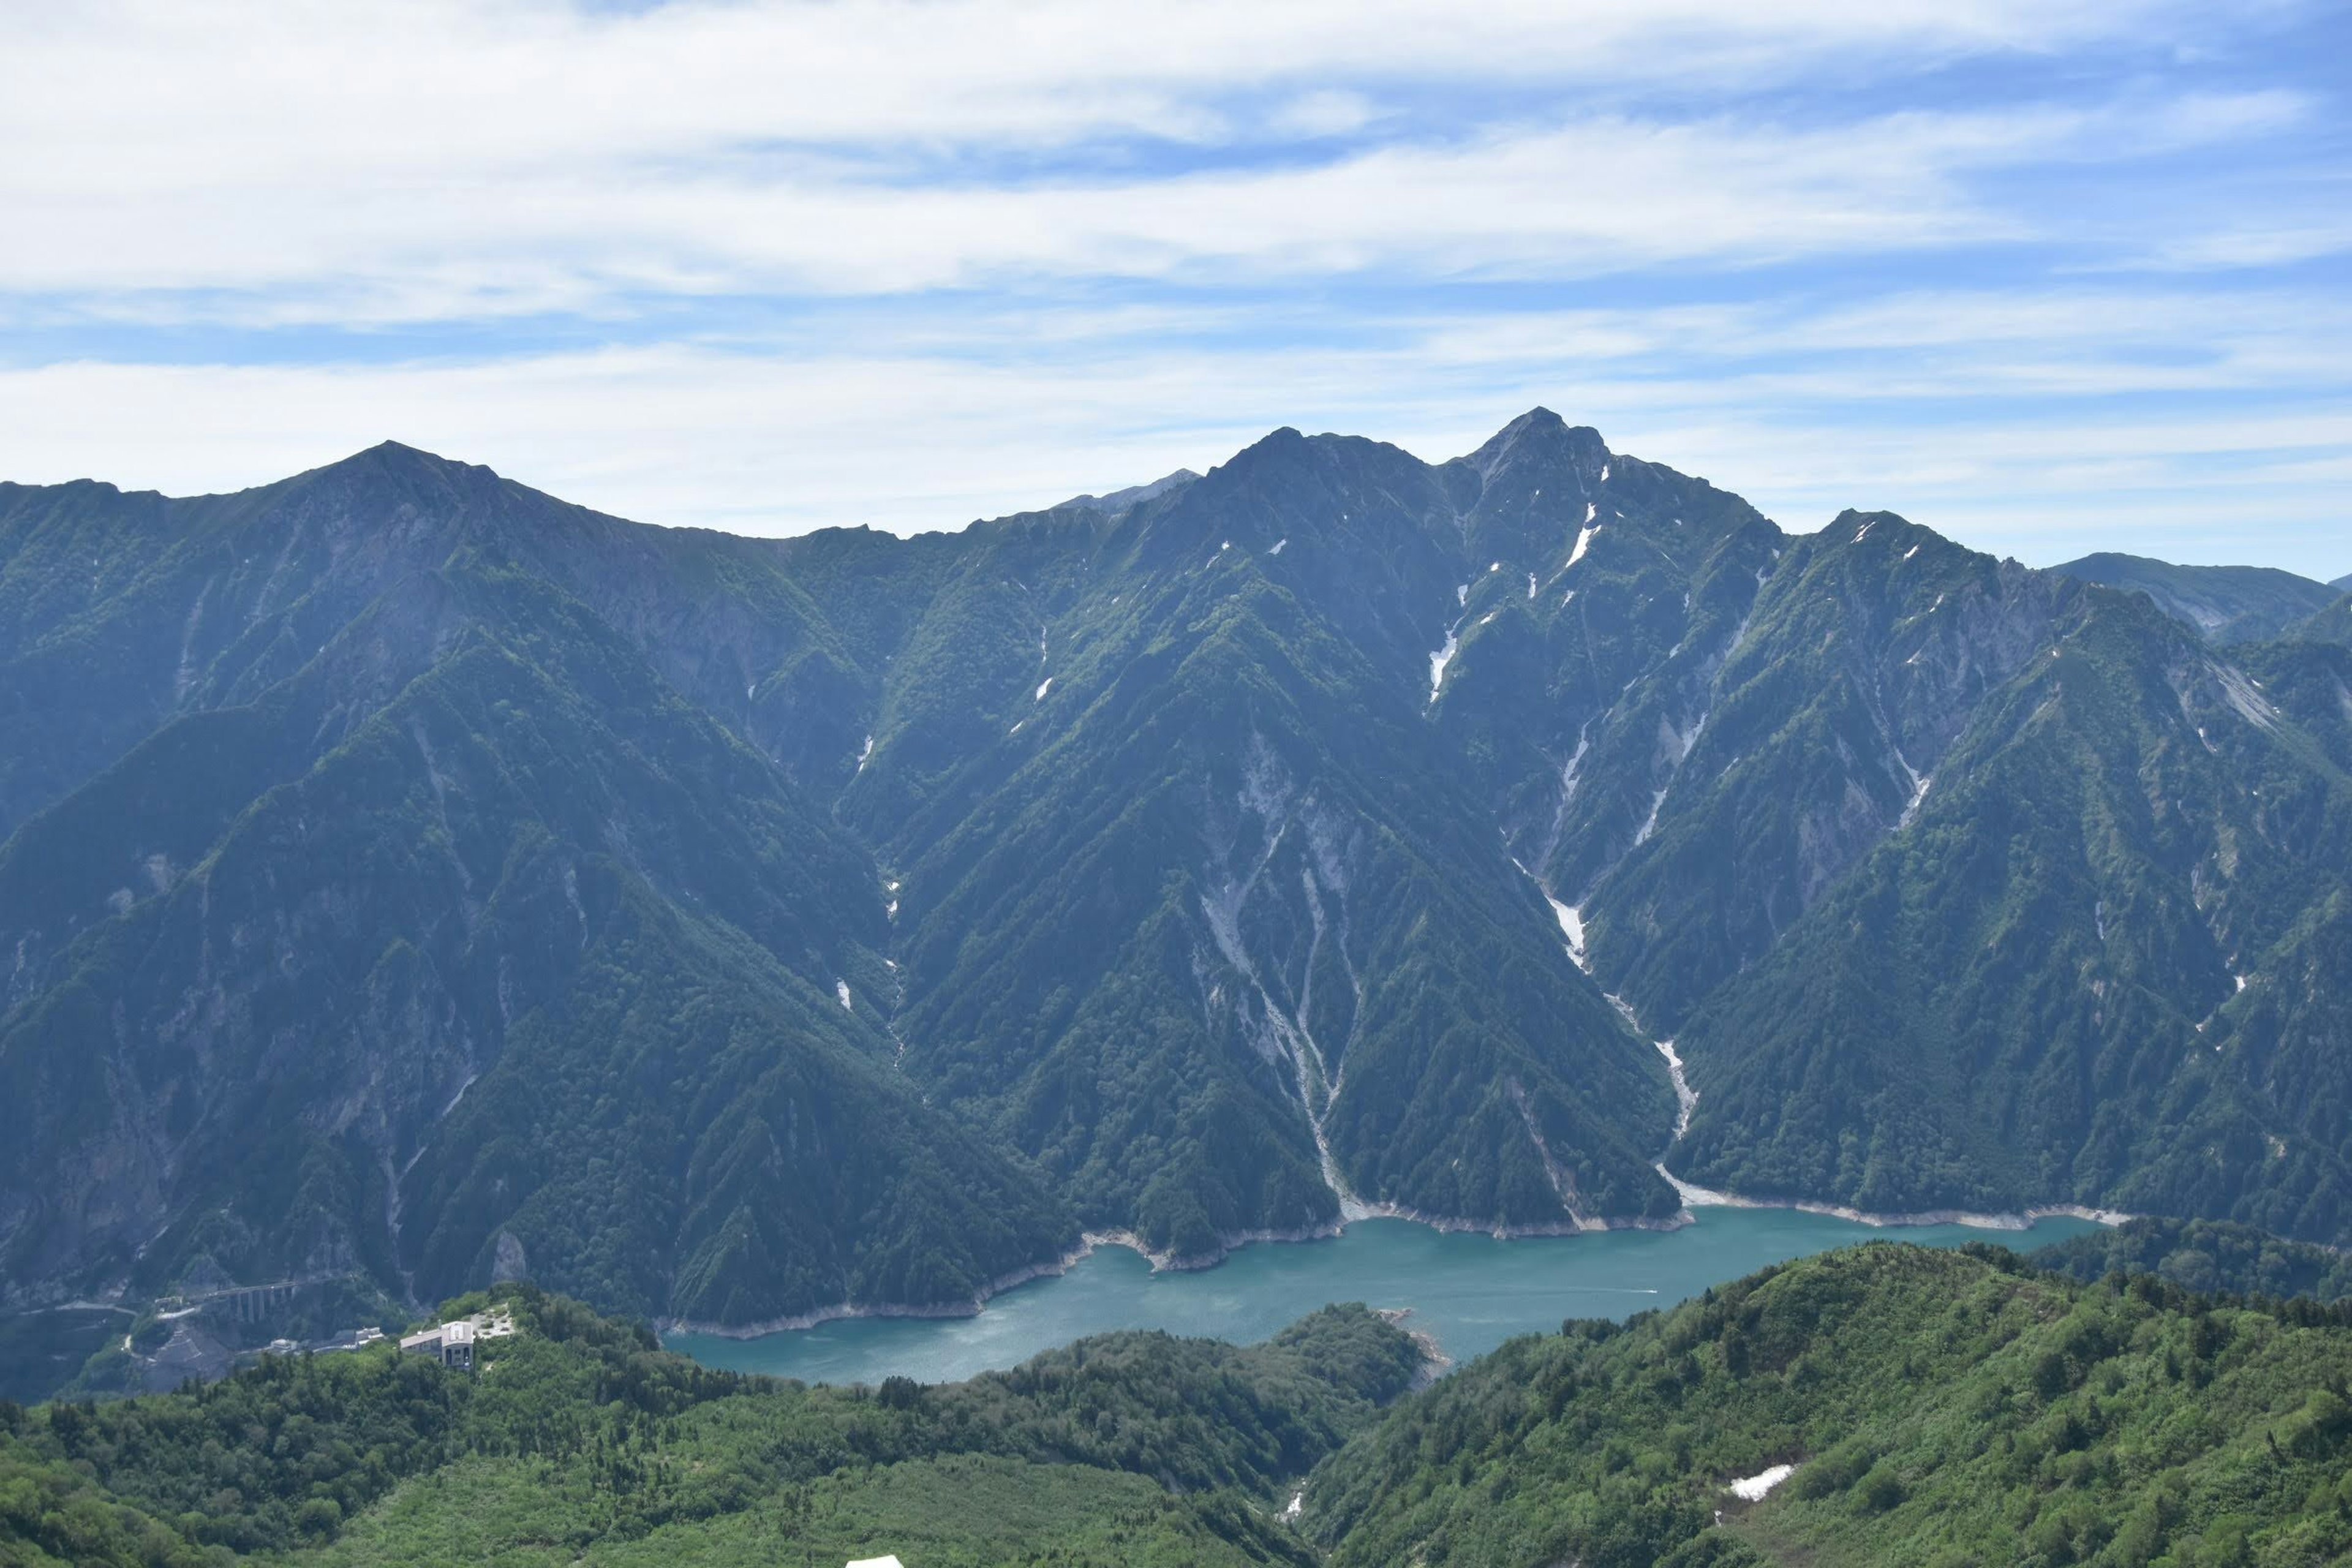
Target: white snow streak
[1531, 584]
[841, 989]
[863, 752]
[1440, 660]
[1686, 1097]
[1571, 926]
[1752, 1489]
[1656, 802]
[1278, 544]
[1583, 543]
[1918, 797]
[1043, 687]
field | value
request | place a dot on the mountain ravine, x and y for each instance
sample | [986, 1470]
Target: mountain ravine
[409, 874]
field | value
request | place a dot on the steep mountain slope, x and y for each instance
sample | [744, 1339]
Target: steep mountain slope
[2047, 987]
[1866, 649]
[1884, 1404]
[410, 873]
[1195, 934]
[2224, 604]
[473, 873]
[2332, 624]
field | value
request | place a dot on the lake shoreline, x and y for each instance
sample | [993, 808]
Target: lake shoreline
[1162, 1261]
[1465, 1294]
[1698, 1197]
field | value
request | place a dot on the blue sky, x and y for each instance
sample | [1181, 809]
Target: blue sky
[2050, 277]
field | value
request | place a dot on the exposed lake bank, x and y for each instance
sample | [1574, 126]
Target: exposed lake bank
[1468, 1291]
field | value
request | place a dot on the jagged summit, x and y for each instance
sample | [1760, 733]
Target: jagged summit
[1541, 436]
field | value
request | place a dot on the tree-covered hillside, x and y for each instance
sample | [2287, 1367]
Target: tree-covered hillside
[2204, 1254]
[1931, 1408]
[1908, 1406]
[579, 1441]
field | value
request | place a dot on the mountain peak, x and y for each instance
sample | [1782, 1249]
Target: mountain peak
[397, 460]
[1542, 435]
[1133, 495]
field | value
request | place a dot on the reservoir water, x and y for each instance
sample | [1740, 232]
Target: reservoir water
[1471, 1292]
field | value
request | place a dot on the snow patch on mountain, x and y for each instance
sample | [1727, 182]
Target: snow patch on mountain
[1440, 660]
[1752, 1489]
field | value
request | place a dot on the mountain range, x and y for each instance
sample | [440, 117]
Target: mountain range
[408, 874]
[2227, 604]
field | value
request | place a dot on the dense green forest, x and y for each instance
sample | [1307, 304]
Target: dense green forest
[1940, 1408]
[1937, 1408]
[580, 1436]
[2204, 1254]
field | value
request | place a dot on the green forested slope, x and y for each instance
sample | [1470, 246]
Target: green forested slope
[579, 1440]
[2225, 604]
[2058, 983]
[2204, 1254]
[1195, 924]
[530, 884]
[2332, 623]
[1865, 653]
[1939, 1408]
[1934, 1408]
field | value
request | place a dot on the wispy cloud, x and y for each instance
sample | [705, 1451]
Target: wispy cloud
[906, 261]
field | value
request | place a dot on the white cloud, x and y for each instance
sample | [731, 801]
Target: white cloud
[1323, 113]
[918, 430]
[451, 160]
[910, 261]
[1595, 196]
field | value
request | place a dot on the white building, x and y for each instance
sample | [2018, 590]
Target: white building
[452, 1344]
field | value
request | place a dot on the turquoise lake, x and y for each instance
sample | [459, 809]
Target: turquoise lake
[1472, 1292]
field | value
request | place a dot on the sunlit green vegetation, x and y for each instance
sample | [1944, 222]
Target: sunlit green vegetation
[581, 1437]
[1940, 1409]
